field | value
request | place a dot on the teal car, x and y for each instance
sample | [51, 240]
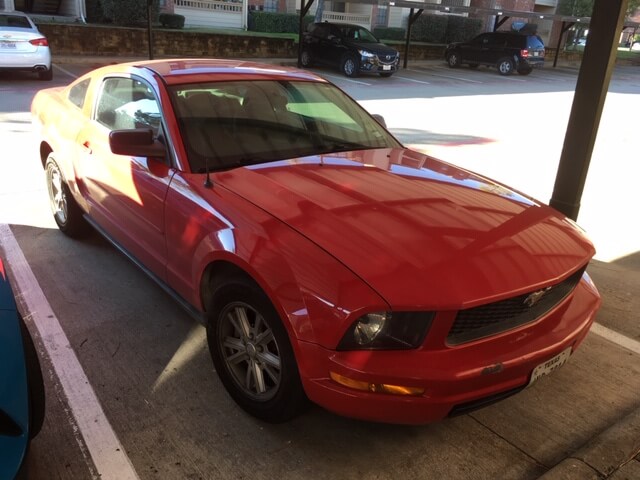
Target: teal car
[22, 398]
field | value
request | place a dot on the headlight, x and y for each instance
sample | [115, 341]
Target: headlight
[366, 54]
[387, 331]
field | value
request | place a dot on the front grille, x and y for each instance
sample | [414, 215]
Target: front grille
[493, 318]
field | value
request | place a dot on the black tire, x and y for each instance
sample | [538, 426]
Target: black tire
[46, 75]
[453, 60]
[305, 58]
[386, 74]
[35, 382]
[349, 66]
[525, 71]
[505, 66]
[66, 212]
[252, 354]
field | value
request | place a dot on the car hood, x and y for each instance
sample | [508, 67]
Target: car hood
[379, 49]
[421, 232]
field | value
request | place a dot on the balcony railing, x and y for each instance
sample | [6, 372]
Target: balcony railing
[211, 5]
[340, 17]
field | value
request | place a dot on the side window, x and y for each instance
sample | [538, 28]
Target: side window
[127, 103]
[78, 92]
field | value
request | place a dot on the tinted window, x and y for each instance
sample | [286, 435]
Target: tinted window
[230, 124]
[126, 103]
[518, 41]
[78, 92]
[14, 21]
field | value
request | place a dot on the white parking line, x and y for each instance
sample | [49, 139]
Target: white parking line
[424, 72]
[617, 338]
[413, 80]
[65, 71]
[346, 79]
[106, 451]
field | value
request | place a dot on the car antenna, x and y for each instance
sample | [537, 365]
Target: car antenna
[207, 180]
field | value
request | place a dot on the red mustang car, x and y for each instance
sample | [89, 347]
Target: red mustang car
[327, 261]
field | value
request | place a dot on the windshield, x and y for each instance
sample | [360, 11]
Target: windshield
[231, 124]
[361, 35]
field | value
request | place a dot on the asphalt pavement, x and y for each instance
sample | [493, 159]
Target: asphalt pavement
[614, 453]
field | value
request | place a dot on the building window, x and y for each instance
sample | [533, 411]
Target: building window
[382, 15]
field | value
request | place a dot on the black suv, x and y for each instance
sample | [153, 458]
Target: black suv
[351, 48]
[507, 51]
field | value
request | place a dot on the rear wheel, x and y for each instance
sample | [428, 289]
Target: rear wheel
[252, 353]
[34, 381]
[305, 58]
[349, 66]
[505, 66]
[525, 71]
[453, 60]
[66, 212]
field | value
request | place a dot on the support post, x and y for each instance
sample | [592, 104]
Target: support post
[412, 18]
[304, 9]
[591, 90]
[149, 32]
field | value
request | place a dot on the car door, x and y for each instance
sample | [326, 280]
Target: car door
[473, 50]
[126, 194]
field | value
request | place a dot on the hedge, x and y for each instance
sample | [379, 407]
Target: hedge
[171, 20]
[430, 28]
[461, 29]
[276, 22]
[128, 12]
[390, 33]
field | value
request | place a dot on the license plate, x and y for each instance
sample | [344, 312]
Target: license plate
[536, 54]
[550, 365]
[386, 67]
[8, 45]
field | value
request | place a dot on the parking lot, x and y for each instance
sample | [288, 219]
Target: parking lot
[131, 389]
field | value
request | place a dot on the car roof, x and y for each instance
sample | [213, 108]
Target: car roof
[175, 71]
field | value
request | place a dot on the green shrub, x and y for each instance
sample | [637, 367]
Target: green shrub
[390, 33]
[276, 22]
[128, 12]
[461, 29]
[429, 29]
[95, 14]
[171, 20]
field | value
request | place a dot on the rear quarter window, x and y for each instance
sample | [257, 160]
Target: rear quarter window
[534, 42]
[78, 92]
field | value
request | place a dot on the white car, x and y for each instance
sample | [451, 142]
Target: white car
[22, 46]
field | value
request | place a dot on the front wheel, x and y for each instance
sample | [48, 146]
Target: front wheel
[453, 60]
[252, 354]
[505, 66]
[350, 66]
[66, 212]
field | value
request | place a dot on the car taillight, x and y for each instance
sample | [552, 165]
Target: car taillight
[39, 42]
[524, 53]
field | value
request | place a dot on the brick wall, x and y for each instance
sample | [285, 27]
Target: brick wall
[67, 39]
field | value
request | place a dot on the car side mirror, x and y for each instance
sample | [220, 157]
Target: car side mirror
[138, 142]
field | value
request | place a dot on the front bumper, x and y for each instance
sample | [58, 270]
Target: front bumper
[374, 65]
[455, 379]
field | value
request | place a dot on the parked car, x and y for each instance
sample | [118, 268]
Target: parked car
[23, 47]
[507, 51]
[326, 260]
[22, 399]
[351, 48]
